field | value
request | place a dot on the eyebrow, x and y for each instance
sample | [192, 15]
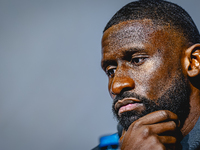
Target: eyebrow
[126, 53]
[105, 63]
[131, 51]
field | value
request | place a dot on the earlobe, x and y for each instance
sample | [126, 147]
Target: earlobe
[192, 60]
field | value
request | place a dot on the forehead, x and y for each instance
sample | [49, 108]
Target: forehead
[139, 32]
[126, 33]
[128, 29]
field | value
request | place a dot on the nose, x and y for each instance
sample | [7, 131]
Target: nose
[121, 83]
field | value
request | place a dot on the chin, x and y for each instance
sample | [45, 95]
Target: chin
[127, 118]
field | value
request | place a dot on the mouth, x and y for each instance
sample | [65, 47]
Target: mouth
[127, 104]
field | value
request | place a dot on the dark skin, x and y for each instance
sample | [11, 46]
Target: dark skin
[141, 57]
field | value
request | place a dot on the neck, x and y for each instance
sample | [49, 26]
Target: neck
[194, 111]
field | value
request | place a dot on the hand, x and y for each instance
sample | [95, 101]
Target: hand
[154, 131]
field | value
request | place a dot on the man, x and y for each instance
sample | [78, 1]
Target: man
[151, 54]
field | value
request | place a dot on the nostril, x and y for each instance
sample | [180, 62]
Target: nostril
[112, 93]
[125, 89]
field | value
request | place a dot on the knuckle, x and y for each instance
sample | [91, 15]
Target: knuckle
[146, 132]
[165, 114]
[161, 146]
[173, 124]
[155, 140]
[137, 124]
[156, 144]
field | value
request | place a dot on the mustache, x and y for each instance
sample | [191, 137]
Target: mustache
[128, 95]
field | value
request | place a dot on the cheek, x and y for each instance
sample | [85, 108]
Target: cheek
[146, 79]
[158, 79]
[152, 79]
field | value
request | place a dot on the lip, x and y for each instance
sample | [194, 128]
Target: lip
[125, 102]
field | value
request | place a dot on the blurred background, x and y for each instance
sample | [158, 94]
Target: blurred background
[53, 93]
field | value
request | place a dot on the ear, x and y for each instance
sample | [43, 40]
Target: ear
[192, 60]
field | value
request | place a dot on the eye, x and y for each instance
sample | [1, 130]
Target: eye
[138, 60]
[110, 71]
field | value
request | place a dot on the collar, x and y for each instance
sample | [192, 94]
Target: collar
[192, 140]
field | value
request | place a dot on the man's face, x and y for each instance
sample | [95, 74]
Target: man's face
[144, 66]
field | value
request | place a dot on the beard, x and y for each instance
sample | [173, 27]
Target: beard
[175, 99]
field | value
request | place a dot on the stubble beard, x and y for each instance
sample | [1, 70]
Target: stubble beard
[175, 99]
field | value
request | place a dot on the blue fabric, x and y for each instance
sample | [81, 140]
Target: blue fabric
[192, 140]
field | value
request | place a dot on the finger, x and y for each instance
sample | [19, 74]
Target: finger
[167, 139]
[155, 117]
[162, 127]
